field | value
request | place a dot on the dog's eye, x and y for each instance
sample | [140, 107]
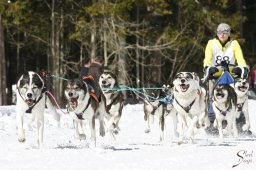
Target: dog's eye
[77, 88]
[34, 88]
[25, 87]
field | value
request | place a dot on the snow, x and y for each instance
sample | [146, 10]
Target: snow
[132, 150]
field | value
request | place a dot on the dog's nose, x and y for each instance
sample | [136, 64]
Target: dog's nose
[29, 95]
[243, 83]
[70, 94]
[103, 82]
[182, 81]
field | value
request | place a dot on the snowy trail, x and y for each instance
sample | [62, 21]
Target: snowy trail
[133, 149]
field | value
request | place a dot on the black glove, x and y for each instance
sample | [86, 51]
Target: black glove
[240, 72]
[209, 71]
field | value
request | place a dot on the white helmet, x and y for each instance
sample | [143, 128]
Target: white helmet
[223, 28]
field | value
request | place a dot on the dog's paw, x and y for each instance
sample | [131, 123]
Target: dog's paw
[82, 136]
[147, 130]
[102, 133]
[180, 142]
[21, 140]
[245, 127]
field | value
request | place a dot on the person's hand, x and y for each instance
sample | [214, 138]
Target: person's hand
[208, 73]
[240, 72]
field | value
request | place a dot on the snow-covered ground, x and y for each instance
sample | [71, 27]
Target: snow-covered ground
[133, 149]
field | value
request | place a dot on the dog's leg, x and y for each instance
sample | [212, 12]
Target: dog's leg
[246, 126]
[92, 127]
[174, 121]
[40, 129]
[161, 125]
[110, 127]
[21, 133]
[102, 129]
[147, 119]
[192, 126]
[219, 125]
[79, 133]
[180, 129]
[235, 131]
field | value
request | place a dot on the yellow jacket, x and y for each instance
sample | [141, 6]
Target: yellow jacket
[238, 54]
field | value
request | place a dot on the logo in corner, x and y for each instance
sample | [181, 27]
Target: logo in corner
[244, 156]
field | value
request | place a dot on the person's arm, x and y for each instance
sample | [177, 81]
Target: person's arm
[208, 54]
[238, 54]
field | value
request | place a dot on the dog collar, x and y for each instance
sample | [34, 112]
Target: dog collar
[187, 109]
[224, 113]
[80, 115]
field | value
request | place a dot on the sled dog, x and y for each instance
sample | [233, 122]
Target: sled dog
[189, 102]
[114, 102]
[241, 89]
[158, 102]
[224, 107]
[84, 105]
[31, 99]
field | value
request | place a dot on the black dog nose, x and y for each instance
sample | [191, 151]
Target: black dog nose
[243, 83]
[182, 81]
[29, 95]
[103, 82]
[70, 94]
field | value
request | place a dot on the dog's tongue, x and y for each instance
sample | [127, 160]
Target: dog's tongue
[29, 102]
[184, 87]
[242, 88]
[73, 102]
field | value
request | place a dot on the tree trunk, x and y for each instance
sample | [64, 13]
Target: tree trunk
[3, 94]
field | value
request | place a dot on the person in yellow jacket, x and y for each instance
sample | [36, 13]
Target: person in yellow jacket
[223, 50]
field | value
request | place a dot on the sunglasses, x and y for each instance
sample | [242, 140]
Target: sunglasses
[223, 32]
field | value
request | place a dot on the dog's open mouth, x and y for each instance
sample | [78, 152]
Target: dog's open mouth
[73, 102]
[106, 87]
[184, 87]
[242, 88]
[219, 95]
[29, 102]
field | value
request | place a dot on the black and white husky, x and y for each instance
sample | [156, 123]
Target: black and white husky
[31, 99]
[114, 102]
[156, 105]
[189, 102]
[224, 106]
[241, 89]
[84, 105]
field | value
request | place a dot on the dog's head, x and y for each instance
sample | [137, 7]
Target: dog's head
[185, 82]
[107, 80]
[75, 91]
[30, 87]
[241, 86]
[224, 93]
[151, 93]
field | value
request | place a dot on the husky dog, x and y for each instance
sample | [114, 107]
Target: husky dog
[158, 102]
[189, 102]
[224, 106]
[241, 89]
[114, 102]
[83, 104]
[31, 99]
